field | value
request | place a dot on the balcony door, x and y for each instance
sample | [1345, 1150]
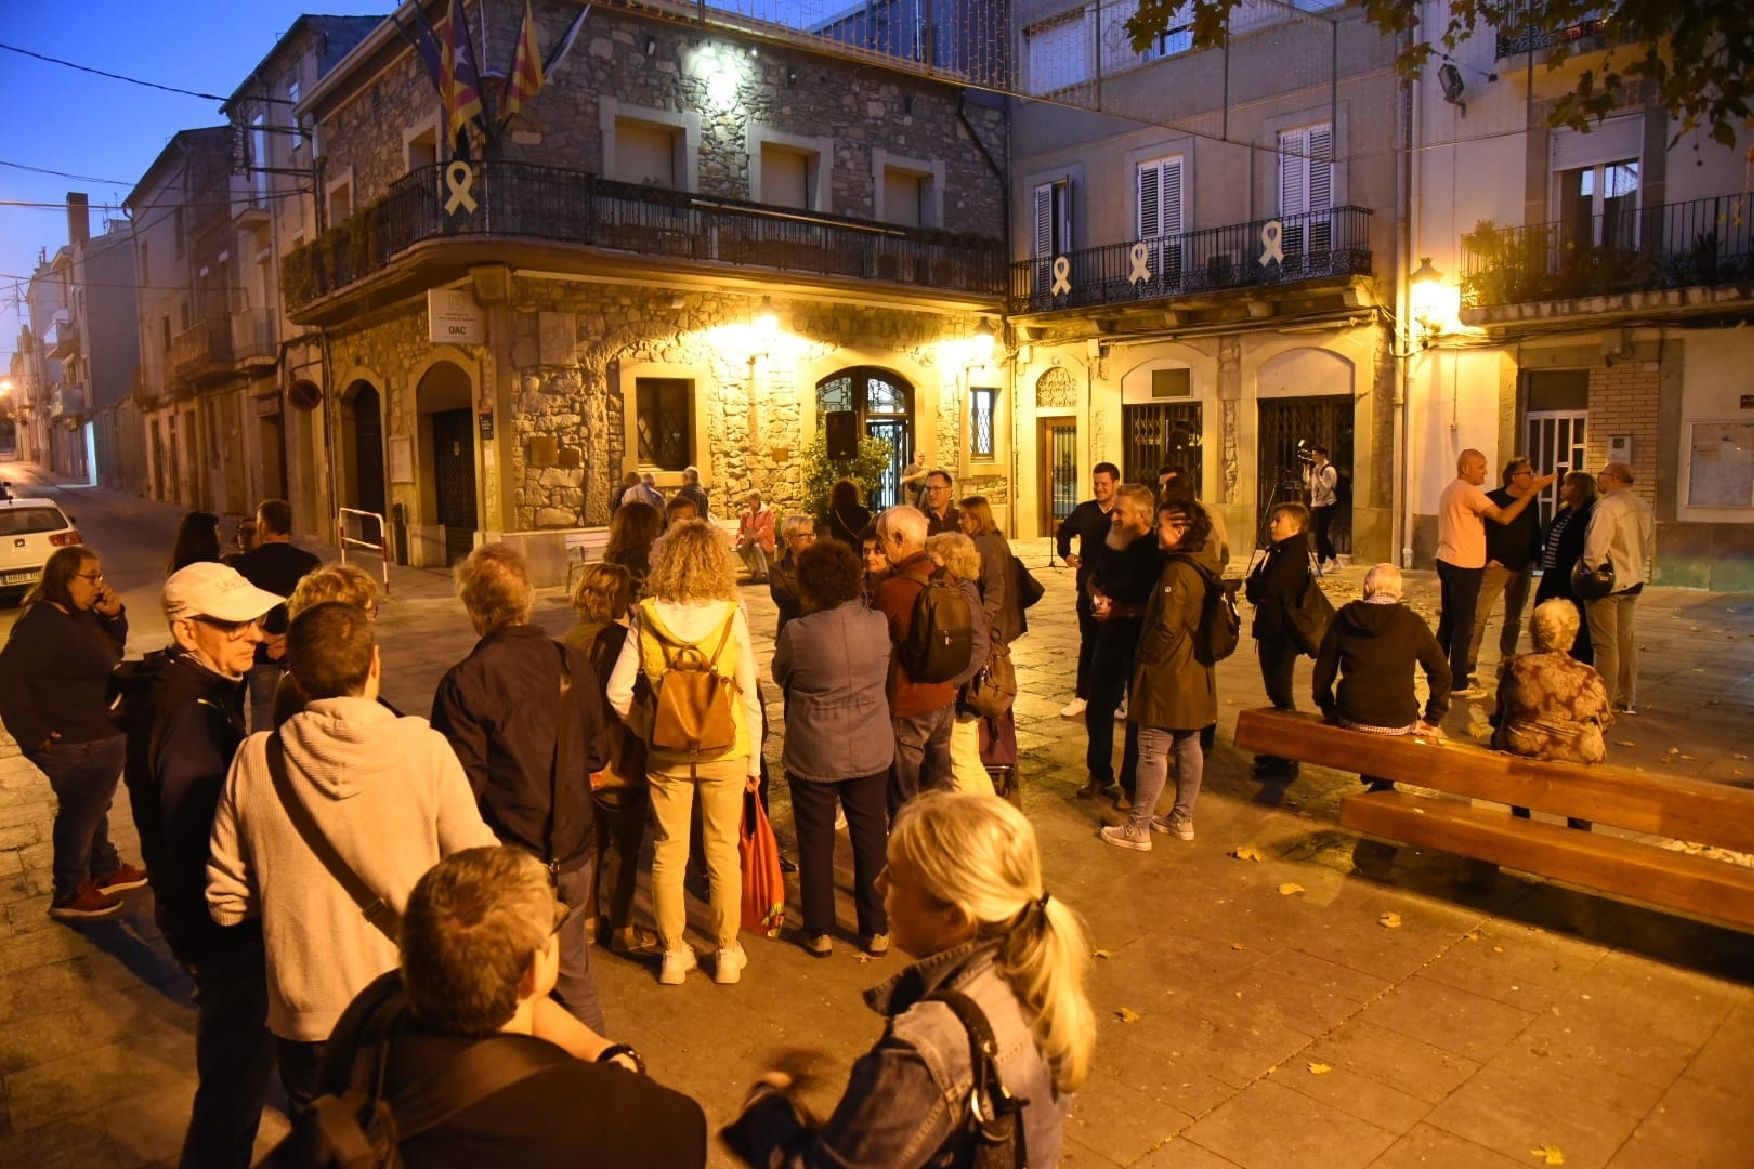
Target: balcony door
[1051, 233]
[1158, 188]
[1598, 205]
[1306, 194]
[1057, 470]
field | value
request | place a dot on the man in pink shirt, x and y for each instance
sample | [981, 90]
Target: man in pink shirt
[1462, 512]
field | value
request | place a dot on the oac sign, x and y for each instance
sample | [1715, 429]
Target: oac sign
[454, 318]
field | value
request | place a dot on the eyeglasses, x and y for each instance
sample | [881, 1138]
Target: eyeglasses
[93, 577]
[233, 630]
[1524, 471]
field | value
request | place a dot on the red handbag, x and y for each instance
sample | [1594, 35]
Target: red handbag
[764, 882]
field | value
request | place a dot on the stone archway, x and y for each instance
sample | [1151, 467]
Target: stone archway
[444, 404]
[881, 403]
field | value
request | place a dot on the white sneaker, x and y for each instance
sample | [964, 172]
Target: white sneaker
[1121, 712]
[1074, 708]
[677, 964]
[1134, 834]
[1182, 828]
[729, 967]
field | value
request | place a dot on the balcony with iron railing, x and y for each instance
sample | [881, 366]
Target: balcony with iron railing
[558, 206]
[1535, 38]
[255, 336]
[203, 350]
[1259, 254]
[1702, 243]
[61, 338]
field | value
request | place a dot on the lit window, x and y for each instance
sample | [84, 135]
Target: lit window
[981, 405]
[665, 422]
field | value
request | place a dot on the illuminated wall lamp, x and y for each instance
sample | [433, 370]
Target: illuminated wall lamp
[1426, 285]
[985, 339]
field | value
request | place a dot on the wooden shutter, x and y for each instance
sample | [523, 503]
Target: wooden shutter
[1293, 172]
[1172, 196]
[1150, 196]
[1321, 169]
[1044, 220]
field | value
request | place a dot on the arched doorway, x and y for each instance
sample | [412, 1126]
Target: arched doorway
[883, 405]
[362, 448]
[444, 401]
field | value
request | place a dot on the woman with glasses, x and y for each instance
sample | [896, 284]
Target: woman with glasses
[798, 532]
[54, 683]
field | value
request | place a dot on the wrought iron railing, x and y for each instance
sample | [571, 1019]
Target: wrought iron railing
[202, 349]
[555, 204]
[1582, 37]
[1639, 249]
[1240, 255]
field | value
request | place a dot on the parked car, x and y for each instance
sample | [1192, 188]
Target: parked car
[30, 530]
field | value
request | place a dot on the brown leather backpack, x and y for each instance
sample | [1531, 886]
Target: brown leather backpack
[694, 707]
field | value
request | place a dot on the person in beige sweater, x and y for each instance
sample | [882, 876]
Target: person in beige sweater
[388, 795]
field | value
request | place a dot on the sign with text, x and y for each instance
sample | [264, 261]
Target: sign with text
[454, 318]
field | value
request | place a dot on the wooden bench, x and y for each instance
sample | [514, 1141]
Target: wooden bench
[1650, 803]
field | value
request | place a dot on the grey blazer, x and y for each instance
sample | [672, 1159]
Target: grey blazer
[834, 669]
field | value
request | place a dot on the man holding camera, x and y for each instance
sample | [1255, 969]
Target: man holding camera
[1323, 481]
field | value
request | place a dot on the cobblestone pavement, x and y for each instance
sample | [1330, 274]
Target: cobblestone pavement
[1239, 1026]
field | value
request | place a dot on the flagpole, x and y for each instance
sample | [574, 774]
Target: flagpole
[572, 34]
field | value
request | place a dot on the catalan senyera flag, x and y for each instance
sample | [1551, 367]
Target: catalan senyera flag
[462, 85]
[527, 76]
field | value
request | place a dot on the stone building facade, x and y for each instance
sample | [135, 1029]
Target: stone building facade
[658, 279]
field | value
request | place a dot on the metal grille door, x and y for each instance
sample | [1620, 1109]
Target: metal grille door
[893, 431]
[1059, 470]
[1555, 446]
[1161, 435]
[1286, 422]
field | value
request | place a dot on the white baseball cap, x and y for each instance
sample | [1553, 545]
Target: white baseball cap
[211, 589]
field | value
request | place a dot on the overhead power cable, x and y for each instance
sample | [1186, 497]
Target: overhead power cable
[43, 170]
[132, 80]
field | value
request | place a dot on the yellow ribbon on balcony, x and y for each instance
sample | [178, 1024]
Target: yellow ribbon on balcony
[459, 179]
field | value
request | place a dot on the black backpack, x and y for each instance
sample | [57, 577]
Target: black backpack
[130, 689]
[941, 641]
[1220, 630]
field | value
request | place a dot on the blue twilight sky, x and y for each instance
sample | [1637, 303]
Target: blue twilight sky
[61, 119]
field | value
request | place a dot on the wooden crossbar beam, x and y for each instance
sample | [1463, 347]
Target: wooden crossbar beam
[1628, 869]
[1642, 801]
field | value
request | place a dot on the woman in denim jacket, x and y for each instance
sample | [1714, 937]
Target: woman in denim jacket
[964, 892]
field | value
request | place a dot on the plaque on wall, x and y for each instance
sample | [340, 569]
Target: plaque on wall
[401, 458]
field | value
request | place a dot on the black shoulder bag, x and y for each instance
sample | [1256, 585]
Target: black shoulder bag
[377, 911]
[994, 1123]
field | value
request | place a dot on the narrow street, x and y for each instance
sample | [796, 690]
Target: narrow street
[1241, 1025]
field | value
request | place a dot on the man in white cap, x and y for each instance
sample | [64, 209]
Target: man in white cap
[184, 716]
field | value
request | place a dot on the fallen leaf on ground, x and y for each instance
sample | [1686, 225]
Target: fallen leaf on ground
[1246, 853]
[1290, 887]
[1624, 743]
[1549, 1154]
[1390, 921]
[1319, 1069]
[1689, 758]
[1737, 755]
[1238, 946]
[1471, 936]
[1104, 954]
[1127, 1015]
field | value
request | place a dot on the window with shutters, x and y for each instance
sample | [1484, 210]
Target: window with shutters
[1306, 192]
[788, 177]
[1053, 219]
[1159, 221]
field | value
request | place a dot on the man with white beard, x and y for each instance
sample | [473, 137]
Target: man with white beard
[1120, 585]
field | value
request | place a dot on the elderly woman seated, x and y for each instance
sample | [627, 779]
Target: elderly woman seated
[1550, 705]
[1373, 645]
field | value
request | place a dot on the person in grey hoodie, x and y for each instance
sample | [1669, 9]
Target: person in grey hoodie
[387, 795]
[833, 665]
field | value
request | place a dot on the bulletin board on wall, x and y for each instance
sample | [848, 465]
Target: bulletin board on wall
[1720, 466]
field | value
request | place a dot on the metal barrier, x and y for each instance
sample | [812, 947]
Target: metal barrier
[381, 546]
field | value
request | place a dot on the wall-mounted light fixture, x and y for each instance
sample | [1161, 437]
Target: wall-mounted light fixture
[651, 45]
[985, 339]
[765, 318]
[1426, 284]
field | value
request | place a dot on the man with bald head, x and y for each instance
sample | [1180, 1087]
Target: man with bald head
[1619, 536]
[922, 714]
[1462, 512]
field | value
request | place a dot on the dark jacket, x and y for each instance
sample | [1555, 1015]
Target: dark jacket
[639, 566]
[845, 526]
[499, 707]
[1562, 548]
[895, 600]
[277, 567]
[1516, 545]
[183, 729]
[55, 675]
[782, 586]
[1126, 577]
[1374, 648]
[1090, 524]
[833, 667]
[950, 521]
[1172, 689]
[1276, 584]
[696, 494]
[571, 1113]
[1000, 604]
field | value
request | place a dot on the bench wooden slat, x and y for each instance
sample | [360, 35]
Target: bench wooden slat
[1662, 805]
[1627, 868]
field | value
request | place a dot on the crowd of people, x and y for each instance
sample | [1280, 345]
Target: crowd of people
[361, 897]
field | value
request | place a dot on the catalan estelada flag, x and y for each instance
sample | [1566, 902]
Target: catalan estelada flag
[462, 85]
[527, 76]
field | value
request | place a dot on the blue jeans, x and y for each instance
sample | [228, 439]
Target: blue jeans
[922, 754]
[234, 1057]
[1155, 747]
[576, 986]
[1111, 679]
[84, 777]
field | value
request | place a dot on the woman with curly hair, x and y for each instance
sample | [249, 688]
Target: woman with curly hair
[346, 583]
[631, 534]
[693, 608]
[965, 896]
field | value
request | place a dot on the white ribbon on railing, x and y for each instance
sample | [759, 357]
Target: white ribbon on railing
[1140, 270]
[1272, 232]
[459, 178]
[1062, 276]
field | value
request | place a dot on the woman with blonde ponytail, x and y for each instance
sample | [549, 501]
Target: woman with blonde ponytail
[965, 897]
